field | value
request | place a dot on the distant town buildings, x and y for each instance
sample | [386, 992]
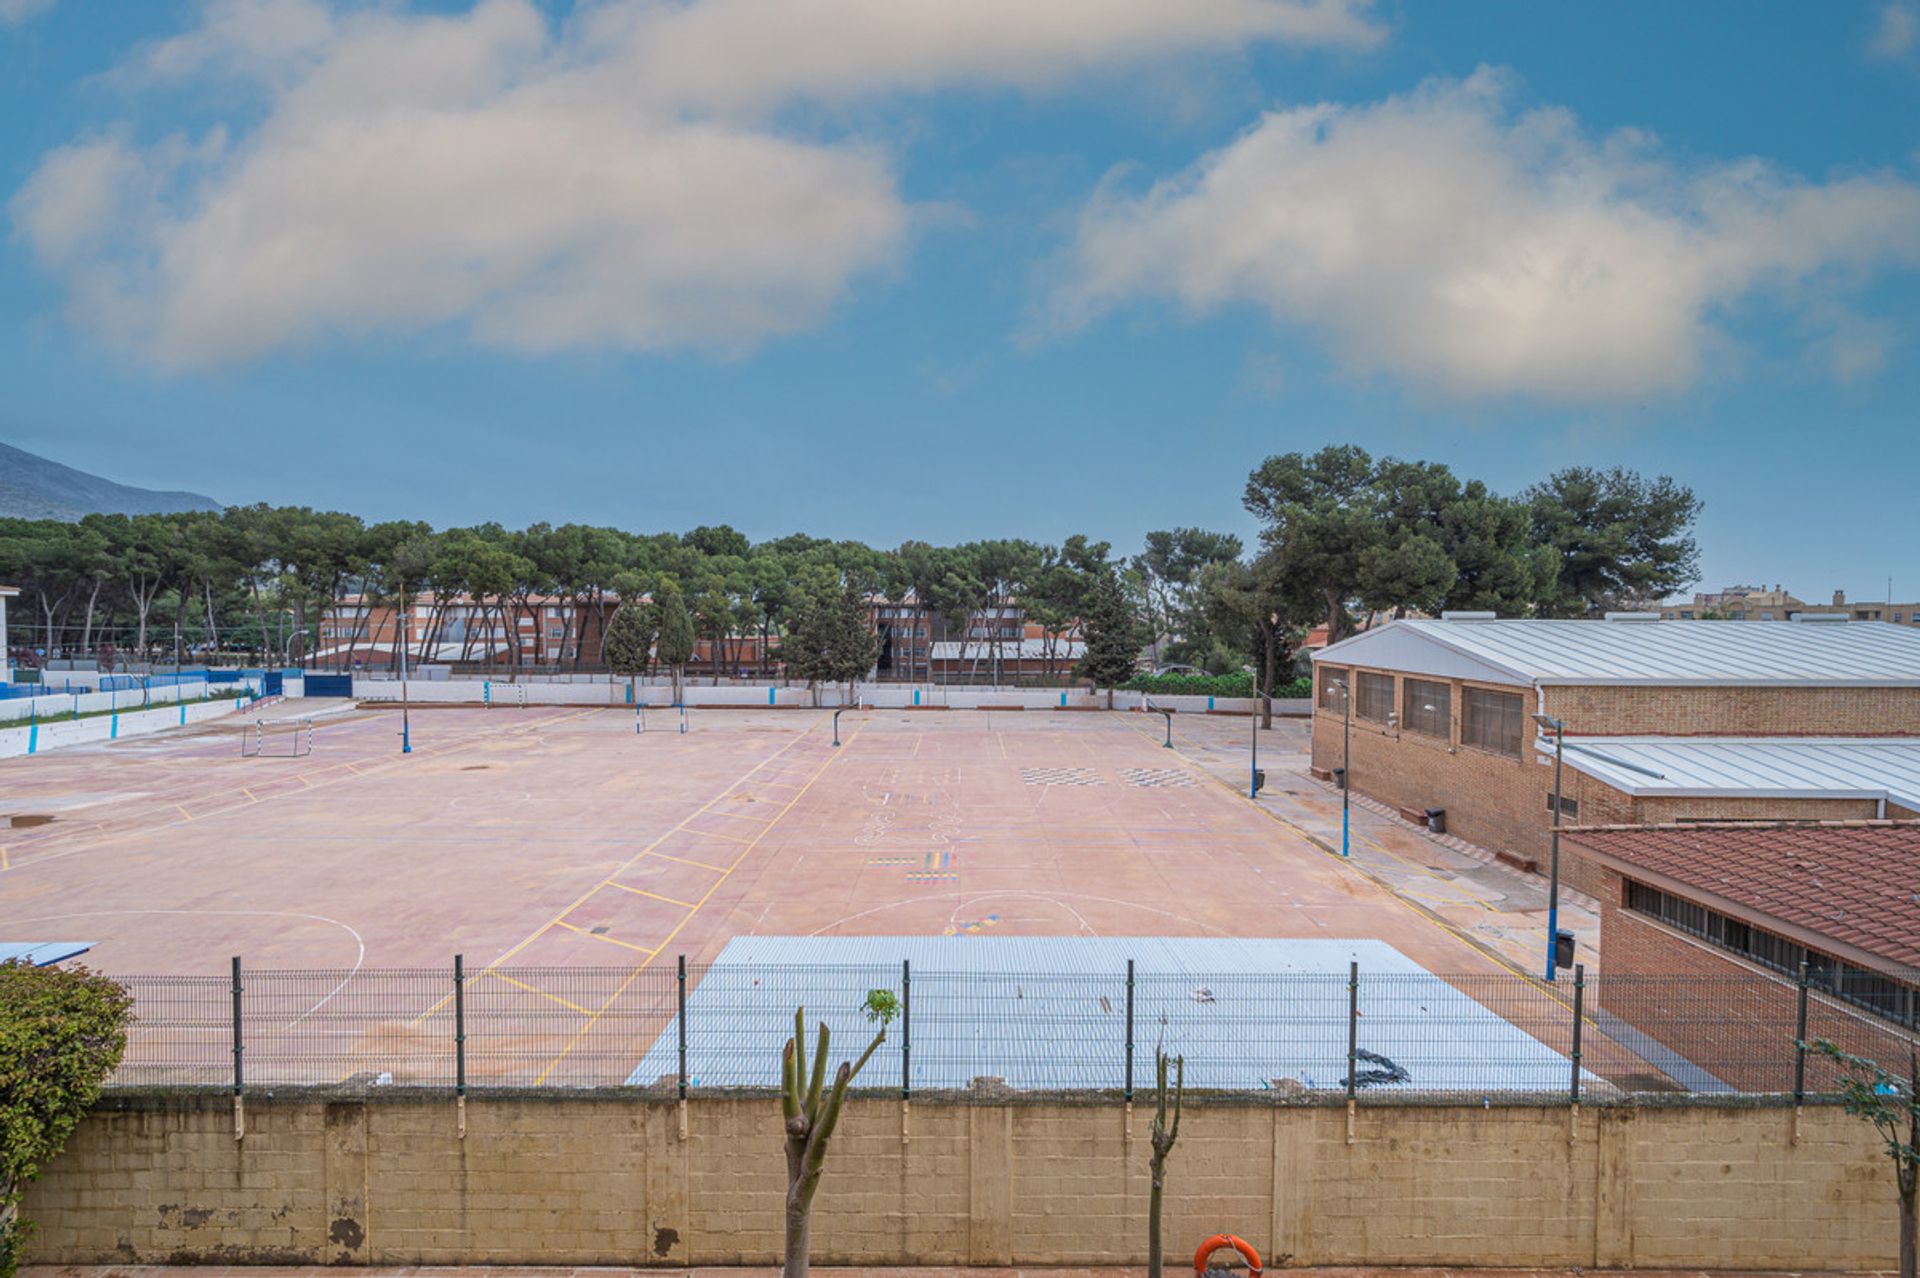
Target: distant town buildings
[1758, 603]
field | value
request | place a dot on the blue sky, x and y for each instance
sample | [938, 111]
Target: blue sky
[966, 273]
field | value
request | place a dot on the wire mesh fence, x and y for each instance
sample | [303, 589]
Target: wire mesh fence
[683, 1029]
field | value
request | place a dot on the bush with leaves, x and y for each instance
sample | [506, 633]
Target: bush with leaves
[62, 1031]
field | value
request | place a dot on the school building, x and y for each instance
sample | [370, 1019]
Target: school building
[1664, 722]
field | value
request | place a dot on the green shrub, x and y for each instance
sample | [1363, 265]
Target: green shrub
[62, 1031]
[1237, 684]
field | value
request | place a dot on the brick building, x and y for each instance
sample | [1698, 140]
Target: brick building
[1665, 722]
[541, 630]
[1739, 908]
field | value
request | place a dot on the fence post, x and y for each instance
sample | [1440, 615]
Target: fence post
[1800, 1043]
[460, 1040]
[906, 1028]
[1129, 1031]
[1353, 1041]
[239, 1077]
[1579, 999]
[681, 1021]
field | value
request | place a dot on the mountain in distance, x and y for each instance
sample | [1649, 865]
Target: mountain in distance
[32, 487]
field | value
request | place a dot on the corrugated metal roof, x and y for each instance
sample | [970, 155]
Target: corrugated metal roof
[41, 953]
[1859, 653]
[1760, 767]
[1050, 1013]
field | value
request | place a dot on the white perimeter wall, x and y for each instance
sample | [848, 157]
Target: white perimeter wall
[52, 735]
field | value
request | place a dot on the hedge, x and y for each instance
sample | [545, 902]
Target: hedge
[1237, 684]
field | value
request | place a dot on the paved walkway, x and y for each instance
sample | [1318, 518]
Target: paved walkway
[1460, 887]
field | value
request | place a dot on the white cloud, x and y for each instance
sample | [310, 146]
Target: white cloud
[613, 181]
[1441, 238]
[12, 11]
[1897, 34]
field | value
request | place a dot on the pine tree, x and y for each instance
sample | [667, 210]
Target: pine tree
[629, 641]
[829, 639]
[1112, 635]
[676, 641]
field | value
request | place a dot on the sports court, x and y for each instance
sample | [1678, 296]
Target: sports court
[574, 861]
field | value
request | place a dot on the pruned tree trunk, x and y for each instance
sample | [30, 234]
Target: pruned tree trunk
[811, 1111]
[1164, 1134]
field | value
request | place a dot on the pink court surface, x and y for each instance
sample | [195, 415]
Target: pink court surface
[560, 837]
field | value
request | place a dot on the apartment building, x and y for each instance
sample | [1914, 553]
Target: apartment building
[1664, 721]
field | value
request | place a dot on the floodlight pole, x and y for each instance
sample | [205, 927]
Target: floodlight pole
[406, 725]
[1253, 759]
[1559, 730]
[1346, 766]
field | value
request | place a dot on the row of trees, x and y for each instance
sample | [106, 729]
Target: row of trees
[1343, 536]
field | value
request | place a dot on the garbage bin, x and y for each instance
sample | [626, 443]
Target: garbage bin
[1340, 778]
[1563, 944]
[1436, 820]
[1259, 780]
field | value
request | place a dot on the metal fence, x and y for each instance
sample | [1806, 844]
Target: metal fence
[684, 1029]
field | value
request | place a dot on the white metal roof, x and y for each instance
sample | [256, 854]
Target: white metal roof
[1753, 767]
[1050, 1012]
[1853, 653]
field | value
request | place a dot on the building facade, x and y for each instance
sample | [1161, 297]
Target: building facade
[1745, 909]
[1441, 715]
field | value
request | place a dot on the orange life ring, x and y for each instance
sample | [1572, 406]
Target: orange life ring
[1218, 1241]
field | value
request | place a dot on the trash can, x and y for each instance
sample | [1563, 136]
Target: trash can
[1563, 944]
[1259, 780]
[1436, 820]
[1340, 778]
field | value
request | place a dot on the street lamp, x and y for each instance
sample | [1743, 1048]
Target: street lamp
[1559, 731]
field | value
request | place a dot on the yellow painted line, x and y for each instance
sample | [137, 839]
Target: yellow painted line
[681, 860]
[715, 834]
[601, 936]
[534, 989]
[250, 794]
[183, 812]
[668, 940]
[6, 863]
[685, 905]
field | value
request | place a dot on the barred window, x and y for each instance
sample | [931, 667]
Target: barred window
[1374, 697]
[1884, 996]
[1492, 720]
[1427, 707]
[1331, 682]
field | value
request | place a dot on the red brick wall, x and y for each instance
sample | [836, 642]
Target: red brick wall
[1736, 712]
[1501, 803]
[1734, 1019]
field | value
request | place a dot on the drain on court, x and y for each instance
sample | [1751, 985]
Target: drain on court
[1060, 776]
[1158, 777]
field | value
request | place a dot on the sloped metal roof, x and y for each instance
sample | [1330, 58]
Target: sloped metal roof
[1851, 653]
[41, 953]
[1757, 767]
[1050, 1013]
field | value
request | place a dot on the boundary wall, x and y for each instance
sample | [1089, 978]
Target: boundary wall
[51, 734]
[386, 1177]
[882, 696]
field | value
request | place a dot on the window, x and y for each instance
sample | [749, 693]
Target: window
[1427, 708]
[1881, 995]
[1374, 699]
[1686, 615]
[1766, 616]
[1332, 683]
[1569, 808]
[1491, 720]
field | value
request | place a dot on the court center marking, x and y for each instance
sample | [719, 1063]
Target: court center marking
[705, 897]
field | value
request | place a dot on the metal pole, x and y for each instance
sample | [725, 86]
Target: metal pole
[1346, 766]
[836, 726]
[1353, 1028]
[1253, 761]
[1800, 1042]
[1553, 869]
[1129, 1031]
[459, 1025]
[906, 1028]
[682, 1022]
[1579, 991]
[238, 1048]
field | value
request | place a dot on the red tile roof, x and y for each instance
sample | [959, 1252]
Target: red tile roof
[1854, 882]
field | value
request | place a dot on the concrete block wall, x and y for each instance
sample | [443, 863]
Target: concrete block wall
[54, 734]
[616, 1178]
